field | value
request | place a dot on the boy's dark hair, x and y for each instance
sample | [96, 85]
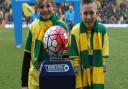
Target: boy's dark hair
[87, 1]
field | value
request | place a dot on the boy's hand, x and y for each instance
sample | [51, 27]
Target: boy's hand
[24, 87]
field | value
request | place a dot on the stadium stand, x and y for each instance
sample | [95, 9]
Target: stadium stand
[114, 12]
[108, 13]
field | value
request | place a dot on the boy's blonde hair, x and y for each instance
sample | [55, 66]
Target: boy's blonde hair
[41, 2]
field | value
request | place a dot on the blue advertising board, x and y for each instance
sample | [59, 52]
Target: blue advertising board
[17, 19]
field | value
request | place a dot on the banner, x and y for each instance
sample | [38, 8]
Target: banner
[17, 19]
[27, 9]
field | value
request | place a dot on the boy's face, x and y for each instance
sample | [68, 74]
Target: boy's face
[46, 10]
[88, 14]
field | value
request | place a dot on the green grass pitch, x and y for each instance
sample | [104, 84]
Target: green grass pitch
[11, 59]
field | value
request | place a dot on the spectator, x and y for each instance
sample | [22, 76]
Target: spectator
[99, 17]
[126, 16]
[121, 20]
[69, 17]
[1, 15]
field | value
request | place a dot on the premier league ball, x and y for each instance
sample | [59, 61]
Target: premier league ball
[56, 41]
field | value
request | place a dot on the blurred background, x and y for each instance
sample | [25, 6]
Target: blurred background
[109, 11]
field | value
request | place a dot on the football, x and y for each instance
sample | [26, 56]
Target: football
[56, 41]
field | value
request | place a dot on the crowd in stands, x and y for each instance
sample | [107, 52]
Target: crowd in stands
[112, 12]
[109, 11]
[5, 12]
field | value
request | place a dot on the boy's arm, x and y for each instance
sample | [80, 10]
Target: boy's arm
[74, 54]
[26, 61]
